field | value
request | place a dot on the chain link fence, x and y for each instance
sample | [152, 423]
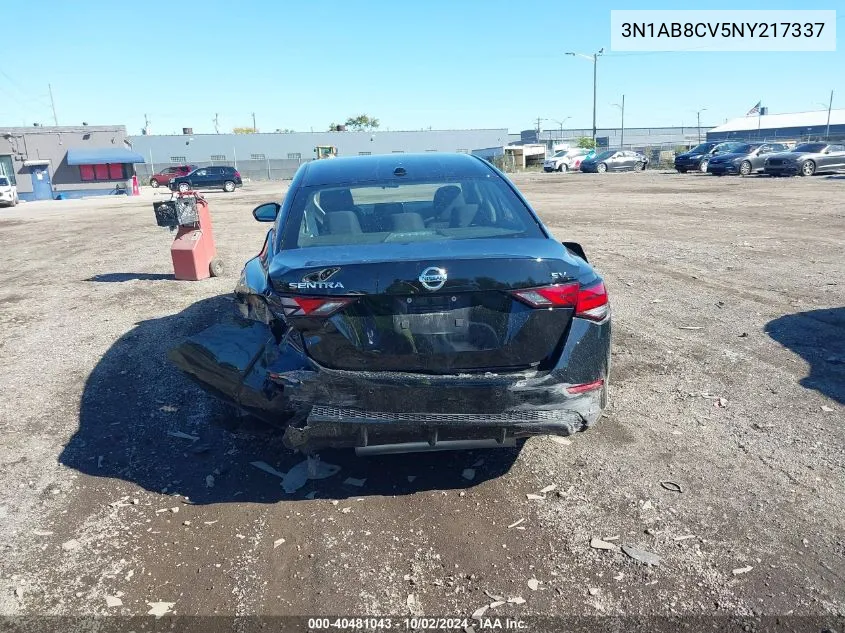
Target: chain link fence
[250, 170]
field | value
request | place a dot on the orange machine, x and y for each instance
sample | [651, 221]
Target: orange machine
[193, 252]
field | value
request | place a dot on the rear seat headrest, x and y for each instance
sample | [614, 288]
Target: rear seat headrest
[343, 222]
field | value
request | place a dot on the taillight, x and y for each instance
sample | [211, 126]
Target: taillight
[560, 296]
[313, 306]
[592, 303]
[589, 303]
[237, 174]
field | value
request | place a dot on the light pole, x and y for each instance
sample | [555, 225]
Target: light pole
[560, 123]
[698, 121]
[593, 58]
[622, 107]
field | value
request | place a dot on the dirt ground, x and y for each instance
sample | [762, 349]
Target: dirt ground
[728, 379]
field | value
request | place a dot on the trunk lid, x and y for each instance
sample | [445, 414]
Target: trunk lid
[407, 317]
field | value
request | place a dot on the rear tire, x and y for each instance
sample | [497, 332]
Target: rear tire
[228, 186]
[702, 167]
[184, 187]
[808, 168]
[601, 168]
[745, 168]
[563, 168]
[216, 268]
[154, 183]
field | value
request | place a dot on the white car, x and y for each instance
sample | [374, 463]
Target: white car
[8, 193]
[565, 159]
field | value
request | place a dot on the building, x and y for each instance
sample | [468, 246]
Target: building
[634, 137]
[267, 156]
[798, 126]
[67, 161]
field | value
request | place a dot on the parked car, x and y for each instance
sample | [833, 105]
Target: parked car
[615, 160]
[743, 160]
[699, 156]
[8, 192]
[410, 303]
[806, 159]
[168, 173]
[565, 159]
[221, 176]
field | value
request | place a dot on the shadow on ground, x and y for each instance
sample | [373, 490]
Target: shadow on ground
[135, 400]
[818, 336]
[121, 277]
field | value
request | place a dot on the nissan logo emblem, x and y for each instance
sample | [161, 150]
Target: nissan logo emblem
[433, 278]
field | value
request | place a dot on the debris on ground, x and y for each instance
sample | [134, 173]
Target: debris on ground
[183, 436]
[684, 537]
[827, 409]
[534, 497]
[533, 584]
[352, 481]
[516, 600]
[468, 474]
[597, 543]
[267, 468]
[513, 525]
[721, 403]
[72, 544]
[671, 486]
[563, 441]
[186, 523]
[113, 601]
[493, 596]
[309, 468]
[346, 510]
[159, 609]
[642, 556]
[496, 604]
[690, 327]
[311, 495]
[647, 505]
[594, 591]
[414, 605]
[548, 488]
[278, 542]
[174, 509]
[478, 462]
[479, 612]
[42, 533]
[741, 570]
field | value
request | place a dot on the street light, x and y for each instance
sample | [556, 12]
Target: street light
[698, 121]
[560, 123]
[593, 58]
[622, 107]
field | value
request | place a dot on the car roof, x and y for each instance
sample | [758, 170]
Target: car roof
[429, 166]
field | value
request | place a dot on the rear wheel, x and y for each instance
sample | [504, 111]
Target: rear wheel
[601, 168]
[154, 183]
[808, 168]
[745, 168]
[702, 167]
[183, 187]
[563, 168]
[228, 186]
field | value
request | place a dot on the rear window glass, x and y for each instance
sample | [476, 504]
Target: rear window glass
[384, 212]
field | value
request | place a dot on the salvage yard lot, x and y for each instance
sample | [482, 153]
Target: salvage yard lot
[727, 379]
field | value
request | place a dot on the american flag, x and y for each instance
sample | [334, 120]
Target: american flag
[755, 109]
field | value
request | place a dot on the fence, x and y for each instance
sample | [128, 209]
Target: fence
[267, 169]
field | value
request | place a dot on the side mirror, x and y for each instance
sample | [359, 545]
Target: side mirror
[576, 249]
[266, 212]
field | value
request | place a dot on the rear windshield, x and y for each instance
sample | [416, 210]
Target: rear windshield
[377, 212]
[4, 182]
[701, 149]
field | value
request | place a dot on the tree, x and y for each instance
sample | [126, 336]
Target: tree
[362, 122]
[586, 142]
[244, 130]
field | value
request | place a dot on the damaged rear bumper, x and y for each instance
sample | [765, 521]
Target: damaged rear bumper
[319, 407]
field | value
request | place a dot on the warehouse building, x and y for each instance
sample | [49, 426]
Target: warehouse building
[67, 161]
[268, 156]
[795, 127]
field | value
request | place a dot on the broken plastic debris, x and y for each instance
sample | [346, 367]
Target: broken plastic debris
[690, 327]
[741, 570]
[594, 591]
[492, 596]
[159, 609]
[721, 403]
[267, 468]
[516, 600]
[684, 537]
[548, 488]
[310, 468]
[479, 612]
[468, 474]
[352, 481]
[827, 409]
[647, 505]
[346, 510]
[174, 509]
[183, 436]
[478, 462]
[563, 441]
[113, 601]
[70, 545]
[533, 584]
[534, 497]
[42, 533]
[311, 494]
[278, 542]
[597, 543]
[497, 604]
[644, 557]
[414, 605]
[671, 486]
[513, 525]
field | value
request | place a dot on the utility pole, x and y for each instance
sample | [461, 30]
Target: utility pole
[622, 107]
[254, 129]
[829, 106]
[593, 58]
[698, 121]
[53, 105]
[146, 125]
[539, 120]
[217, 123]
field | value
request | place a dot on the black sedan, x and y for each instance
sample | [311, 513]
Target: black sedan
[806, 159]
[615, 160]
[410, 303]
[743, 160]
[699, 157]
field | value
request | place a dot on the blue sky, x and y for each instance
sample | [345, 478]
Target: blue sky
[412, 64]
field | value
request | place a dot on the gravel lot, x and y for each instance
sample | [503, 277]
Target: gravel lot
[728, 380]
